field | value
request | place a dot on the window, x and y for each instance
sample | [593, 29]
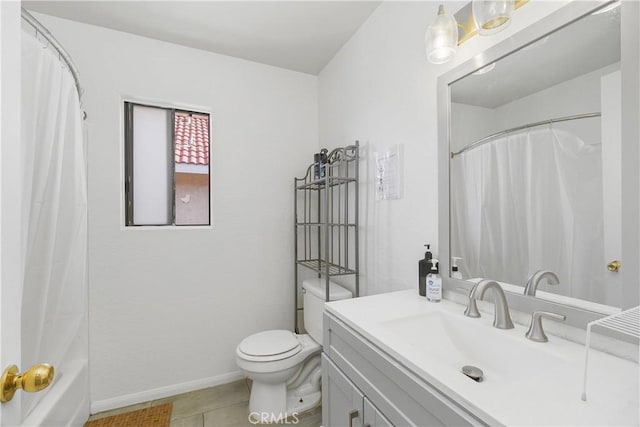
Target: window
[167, 166]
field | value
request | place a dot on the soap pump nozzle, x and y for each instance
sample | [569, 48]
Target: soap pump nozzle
[455, 274]
[428, 255]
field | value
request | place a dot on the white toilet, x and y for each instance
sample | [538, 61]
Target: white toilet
[284, 366]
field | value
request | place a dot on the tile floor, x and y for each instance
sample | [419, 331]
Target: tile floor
[225, 405]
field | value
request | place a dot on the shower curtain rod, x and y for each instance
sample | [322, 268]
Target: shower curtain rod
[64, 56]
[529, 125]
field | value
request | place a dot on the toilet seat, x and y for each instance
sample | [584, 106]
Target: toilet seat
[269, 346]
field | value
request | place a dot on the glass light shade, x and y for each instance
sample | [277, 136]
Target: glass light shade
[441, 38]
[491, 16]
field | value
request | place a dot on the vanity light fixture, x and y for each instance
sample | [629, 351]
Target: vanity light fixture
[492, 16]
[441, 38]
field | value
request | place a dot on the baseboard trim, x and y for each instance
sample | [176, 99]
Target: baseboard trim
[162, 392]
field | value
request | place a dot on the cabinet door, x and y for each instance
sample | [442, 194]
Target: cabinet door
[341, 400]
[373, 417]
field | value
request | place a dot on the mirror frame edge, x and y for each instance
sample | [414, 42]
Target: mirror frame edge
[576, 316]
[630, 66]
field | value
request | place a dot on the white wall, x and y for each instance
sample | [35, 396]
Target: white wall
[168, 307]
[379, 88]
[579, 95]
[576, 96]
[470, 123]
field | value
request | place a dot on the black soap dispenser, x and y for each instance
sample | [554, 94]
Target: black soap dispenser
[424, 267]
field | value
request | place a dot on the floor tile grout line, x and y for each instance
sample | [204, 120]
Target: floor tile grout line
[243, 402]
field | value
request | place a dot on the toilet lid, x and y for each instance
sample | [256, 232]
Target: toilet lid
[270, 343]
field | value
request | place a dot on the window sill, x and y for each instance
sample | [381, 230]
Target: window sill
[165, 227]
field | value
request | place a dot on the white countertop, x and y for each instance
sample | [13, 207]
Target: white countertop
[525, 383]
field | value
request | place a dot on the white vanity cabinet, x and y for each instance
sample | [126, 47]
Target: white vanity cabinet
[363, 386]
[373, 417]
[345, 405]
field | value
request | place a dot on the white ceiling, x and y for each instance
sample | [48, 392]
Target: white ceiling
[297, 35]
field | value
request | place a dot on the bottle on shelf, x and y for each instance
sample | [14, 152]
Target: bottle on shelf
[320, 164]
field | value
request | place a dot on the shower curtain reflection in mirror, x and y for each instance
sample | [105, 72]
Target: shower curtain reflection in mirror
[531, 201]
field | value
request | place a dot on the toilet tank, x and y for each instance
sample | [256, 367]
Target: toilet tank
[314, 298]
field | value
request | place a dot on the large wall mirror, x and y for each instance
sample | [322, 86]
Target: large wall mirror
[534, 137]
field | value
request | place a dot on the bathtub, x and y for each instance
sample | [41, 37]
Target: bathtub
[66, 403]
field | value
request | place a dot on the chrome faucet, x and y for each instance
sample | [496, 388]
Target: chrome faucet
[533, 281]
[501, 317]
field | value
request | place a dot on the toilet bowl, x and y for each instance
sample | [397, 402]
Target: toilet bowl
[279, 384]
[284, 366]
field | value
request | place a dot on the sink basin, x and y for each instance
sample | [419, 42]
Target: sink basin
[452, 340]
[524, 382]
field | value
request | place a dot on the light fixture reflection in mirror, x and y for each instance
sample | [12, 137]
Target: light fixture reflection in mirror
[607, 8]
[536, 44]
[485, 70]
[492, 16]
[441, 38]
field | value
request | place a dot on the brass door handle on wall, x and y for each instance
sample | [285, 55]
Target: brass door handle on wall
[34, 379]
[614, 266]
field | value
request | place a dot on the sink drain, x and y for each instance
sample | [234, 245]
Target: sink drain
[473, 372]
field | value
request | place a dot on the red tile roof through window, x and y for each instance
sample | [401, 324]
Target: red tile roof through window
[191, 139]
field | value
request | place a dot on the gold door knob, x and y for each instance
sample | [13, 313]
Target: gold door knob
[34, 379]
[614, 266]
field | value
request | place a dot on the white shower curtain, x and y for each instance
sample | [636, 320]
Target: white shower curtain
[531, 201]
[54, 202]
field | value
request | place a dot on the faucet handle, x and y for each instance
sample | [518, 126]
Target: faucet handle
[472, 308]
[536, 332]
